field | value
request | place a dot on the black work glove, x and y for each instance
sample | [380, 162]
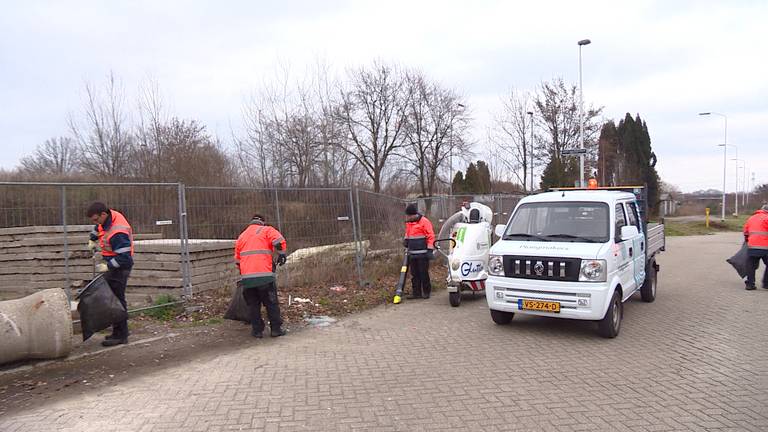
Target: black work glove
[405, 243]
[281, 258]
[431, 254]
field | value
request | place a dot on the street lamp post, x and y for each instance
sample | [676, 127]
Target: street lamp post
[581, 115]
[450, 155]
[725, 153]
[741, 164]
[530, 115]
[736, 190]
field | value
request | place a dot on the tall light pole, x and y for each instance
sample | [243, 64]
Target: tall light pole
[751, 187]
[450, 156]
[741, 164]
[736, 190]
[581, 115]
[745, 189]
[530, 115]
[725, 153]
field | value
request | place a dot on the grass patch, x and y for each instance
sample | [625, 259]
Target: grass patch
[165, 310]
[197, 323]
[673, 228]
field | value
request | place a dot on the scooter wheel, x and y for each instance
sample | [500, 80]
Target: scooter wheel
[455, 298]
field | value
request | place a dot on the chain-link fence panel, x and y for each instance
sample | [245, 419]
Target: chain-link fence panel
[319, 226]
[382, 219]
[44, 232]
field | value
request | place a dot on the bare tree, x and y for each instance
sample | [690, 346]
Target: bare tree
[149, 154]
[511, 135]
[291, 133]
[255, 148]
[373, 111]
[192, 156]
[436, 124]
[56, 157]
[102, 131]
[557, 109]
[336, 166]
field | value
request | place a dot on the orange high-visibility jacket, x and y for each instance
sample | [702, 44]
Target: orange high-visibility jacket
[254, 248]
[756, 230]
[420, 236]
[119, 225]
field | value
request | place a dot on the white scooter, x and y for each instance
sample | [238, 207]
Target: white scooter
[469, 231]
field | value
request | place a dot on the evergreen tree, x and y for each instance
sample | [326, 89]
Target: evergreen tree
[484, 176]
[472, 179]
[608, 147]
[560, 173]
[635, 159]
[458, 183]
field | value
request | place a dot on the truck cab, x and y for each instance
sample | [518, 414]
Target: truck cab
[575, 254]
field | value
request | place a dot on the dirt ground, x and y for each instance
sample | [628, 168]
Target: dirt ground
[183, 335]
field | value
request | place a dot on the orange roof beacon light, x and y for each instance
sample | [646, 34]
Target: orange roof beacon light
[592, 183]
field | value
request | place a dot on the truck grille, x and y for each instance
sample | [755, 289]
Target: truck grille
[542, 268]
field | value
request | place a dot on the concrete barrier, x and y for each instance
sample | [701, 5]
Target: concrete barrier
[38, 326]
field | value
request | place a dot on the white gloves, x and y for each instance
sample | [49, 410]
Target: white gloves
[101, 268]
[93, 246]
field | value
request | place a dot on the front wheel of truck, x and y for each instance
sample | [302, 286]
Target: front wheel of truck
[609, 326]
[501, 317]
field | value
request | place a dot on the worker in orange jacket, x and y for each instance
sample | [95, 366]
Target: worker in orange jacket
[420, 242]
[113, 236]
[756, 236]
[254, 252]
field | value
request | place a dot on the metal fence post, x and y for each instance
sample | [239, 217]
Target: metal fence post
[68, 283]
[359, 218]
[184, 243]
[358, 246]
[277, 210]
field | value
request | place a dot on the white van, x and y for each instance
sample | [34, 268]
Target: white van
[575, 254]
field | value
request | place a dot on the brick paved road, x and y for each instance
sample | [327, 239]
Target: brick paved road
[695, 359]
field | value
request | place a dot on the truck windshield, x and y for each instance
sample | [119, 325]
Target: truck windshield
[560, 221]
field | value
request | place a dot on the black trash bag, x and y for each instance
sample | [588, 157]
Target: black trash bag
[740, 261]
[98, 307]
[238, 309]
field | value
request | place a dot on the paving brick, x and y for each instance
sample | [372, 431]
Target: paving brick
[693, 360]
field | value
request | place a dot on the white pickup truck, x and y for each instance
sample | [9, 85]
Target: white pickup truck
[577, 254]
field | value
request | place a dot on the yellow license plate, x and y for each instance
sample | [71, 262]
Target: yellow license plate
[538, 305]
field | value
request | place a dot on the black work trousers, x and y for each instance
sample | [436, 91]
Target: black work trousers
[263, 295]
[118, 280]
[754, 263]
[420, 283]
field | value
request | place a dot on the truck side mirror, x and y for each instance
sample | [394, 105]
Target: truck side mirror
[499, 230]
[629, 232]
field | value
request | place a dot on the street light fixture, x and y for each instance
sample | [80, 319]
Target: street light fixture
[725, 153]
[530, 115]
[581, 43]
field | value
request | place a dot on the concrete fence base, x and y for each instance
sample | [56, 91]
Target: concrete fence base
[38, 326]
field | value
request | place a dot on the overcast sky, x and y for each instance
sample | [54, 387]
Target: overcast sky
[665, 60]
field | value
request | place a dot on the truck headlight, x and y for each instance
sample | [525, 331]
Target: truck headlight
[496, 265]
[592, 271]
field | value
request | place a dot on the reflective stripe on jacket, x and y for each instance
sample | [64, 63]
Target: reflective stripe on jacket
[756, 230]
[254, 248]
[119, 224]
[420, 236]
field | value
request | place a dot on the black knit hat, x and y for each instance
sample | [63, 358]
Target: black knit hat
[412, 209]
